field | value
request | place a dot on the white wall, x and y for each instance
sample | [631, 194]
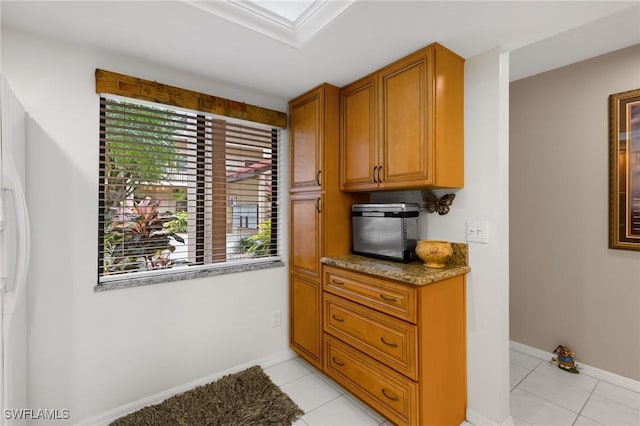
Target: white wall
[91, 352]
[485, 197]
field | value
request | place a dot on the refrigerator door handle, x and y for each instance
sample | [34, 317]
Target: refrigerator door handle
[3, 225]
[3, 218]
[23, 240]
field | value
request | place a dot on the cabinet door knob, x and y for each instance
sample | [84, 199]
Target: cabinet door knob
[338, 319]
[379, 170]
[392, 397]
[341, 364]
[393, 345]
[318, 206]
[336, 282]
[318, 177]
[374, 174]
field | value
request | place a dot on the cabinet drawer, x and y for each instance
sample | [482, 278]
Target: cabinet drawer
[386, 296]
[390, 393]
[388, 340]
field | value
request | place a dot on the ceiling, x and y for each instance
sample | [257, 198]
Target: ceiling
[284, 53]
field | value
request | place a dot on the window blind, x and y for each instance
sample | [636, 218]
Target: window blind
[181, 189]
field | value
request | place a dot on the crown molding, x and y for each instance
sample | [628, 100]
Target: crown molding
[294, 33]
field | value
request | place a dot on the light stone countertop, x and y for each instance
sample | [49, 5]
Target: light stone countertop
[412, 273]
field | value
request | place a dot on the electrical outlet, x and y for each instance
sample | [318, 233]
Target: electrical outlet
[276, 319]
[478, 232]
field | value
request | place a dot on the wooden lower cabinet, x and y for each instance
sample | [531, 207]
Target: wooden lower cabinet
[398, 300]
[411, 368]
[305, 306]
[389, 340]
[388, 392]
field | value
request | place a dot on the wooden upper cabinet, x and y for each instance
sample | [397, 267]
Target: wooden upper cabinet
[311, 121]
[404, 125]
[410, 114]
[358, 135]
[306, 141]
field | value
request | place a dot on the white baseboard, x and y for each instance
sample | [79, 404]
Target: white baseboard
[109, 416]
[476, 419]
[597, 373]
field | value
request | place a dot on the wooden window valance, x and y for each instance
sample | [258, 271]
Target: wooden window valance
[108, 82]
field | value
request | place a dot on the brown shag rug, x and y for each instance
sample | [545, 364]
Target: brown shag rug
[245, 398]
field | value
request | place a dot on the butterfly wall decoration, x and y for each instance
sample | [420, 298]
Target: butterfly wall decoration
[433, 203]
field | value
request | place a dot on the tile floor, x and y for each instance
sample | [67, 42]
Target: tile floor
[324, 402]
[541, 394]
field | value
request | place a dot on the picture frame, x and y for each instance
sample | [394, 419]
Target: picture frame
[624, 170]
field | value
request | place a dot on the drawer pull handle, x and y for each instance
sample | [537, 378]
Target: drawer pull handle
[393, 345]
[393, 398]
[336, 282]
[338, 363]
[388, 299]
[337, 318]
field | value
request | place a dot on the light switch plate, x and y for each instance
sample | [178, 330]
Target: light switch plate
[478, 232]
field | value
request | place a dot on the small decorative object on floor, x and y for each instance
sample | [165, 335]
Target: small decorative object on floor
[565, 359]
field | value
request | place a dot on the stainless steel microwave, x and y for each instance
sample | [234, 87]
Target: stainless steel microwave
[385, 231]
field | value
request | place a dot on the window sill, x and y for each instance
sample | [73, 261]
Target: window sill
[186, 275]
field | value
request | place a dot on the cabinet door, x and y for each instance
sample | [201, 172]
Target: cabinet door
[305, 330]
[305, 246]
[358, 153]
[306, 118]
[405, 110]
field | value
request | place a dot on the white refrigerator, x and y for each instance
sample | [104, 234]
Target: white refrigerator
[14, 256]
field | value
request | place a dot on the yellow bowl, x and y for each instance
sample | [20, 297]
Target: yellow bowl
[434, 254]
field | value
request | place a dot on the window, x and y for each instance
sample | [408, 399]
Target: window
[182, 190]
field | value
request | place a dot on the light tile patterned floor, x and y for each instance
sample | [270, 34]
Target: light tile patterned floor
[324, 402]
[541, 394]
